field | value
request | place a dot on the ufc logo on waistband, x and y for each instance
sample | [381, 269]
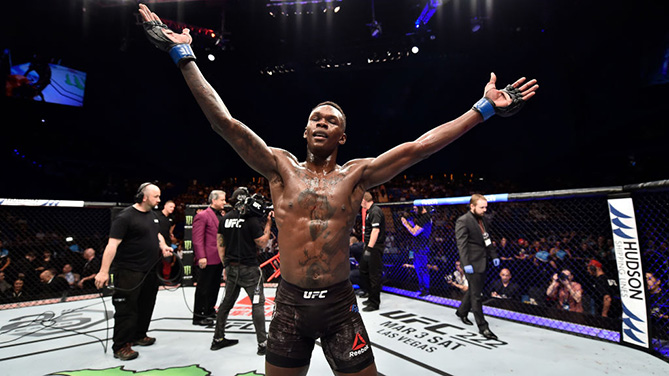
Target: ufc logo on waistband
[315, 294]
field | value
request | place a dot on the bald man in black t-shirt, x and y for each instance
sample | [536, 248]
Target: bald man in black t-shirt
[132, 253]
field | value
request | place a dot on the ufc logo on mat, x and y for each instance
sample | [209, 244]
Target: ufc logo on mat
[315, 294]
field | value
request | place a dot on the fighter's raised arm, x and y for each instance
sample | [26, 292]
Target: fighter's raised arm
[505, 102]
[253, 150]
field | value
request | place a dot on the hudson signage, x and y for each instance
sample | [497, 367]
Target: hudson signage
[630, 273]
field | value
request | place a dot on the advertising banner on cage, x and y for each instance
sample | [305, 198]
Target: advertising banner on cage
[628, 259]
[25, 202]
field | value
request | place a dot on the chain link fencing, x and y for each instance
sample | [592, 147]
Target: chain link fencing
[542, 237]
[652, 216]
[43, 248]
[538, 236]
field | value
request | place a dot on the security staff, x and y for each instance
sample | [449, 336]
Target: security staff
[132, 253]
[241, 233]
[474, 247]
[371, 265]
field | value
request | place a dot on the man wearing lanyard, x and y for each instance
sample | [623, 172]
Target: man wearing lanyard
[371, 265]
[474, 247]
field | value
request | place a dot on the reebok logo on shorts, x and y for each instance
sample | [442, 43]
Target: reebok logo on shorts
[359, 346]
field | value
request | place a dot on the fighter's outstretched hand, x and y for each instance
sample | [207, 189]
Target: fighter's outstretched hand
[511, 99]
[159, 34]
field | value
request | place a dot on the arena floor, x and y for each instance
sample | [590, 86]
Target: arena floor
[409, 337]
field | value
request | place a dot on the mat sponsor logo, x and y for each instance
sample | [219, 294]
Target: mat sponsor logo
[49, 323]
[630, 274]
[430, 335]
[244, 307]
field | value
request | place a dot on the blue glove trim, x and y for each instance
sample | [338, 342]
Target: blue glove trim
[484, 107]
[469, 269]
[495, 262]
[180, 52]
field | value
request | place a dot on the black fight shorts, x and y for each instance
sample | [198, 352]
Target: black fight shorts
[331, 314]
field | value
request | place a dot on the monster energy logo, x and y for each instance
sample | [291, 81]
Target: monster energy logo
[188, 244]
[189, 220]
[187, 269]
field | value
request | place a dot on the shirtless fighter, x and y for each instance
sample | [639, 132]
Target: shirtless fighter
[315, 204]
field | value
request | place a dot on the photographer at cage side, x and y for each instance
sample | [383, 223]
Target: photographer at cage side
[565, 292]
[241, 233]
[132, 254]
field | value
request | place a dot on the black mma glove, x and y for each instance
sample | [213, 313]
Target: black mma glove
[178, 52]
[487, 108]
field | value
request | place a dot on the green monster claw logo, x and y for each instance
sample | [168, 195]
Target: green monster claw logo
[187, 270]
[188, 244]
[189, 220]
[192, 370]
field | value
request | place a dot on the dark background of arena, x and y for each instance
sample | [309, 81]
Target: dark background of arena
[598, 119]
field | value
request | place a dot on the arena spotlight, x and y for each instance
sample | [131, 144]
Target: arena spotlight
[375, 29]
[415, 49]
[374, 26]
[427, 12]
[211, 57]
[337, 9]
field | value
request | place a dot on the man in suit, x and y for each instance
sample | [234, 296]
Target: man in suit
[205, 228]
[474, 247]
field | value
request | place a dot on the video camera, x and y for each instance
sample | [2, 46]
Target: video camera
[563, 277]
[254, 206]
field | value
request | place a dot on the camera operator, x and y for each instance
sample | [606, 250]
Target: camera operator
[241, 233]
[566, 292]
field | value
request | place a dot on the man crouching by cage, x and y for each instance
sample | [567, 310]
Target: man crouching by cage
[134, 250]
[316, 201]
[241, 233]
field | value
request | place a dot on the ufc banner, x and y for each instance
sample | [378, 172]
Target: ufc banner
[635, 326]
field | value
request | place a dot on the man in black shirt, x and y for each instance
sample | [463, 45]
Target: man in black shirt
[90, 269]
[421, 229]
[132, 253]
[504, 288]
[239, 238]
[371, 265]
[166, 220]
[605, 292]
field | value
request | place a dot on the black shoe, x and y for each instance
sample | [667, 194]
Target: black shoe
[363, 295]
[370, 308]
[262, 350]
[488, 334]
[218, 344]
[464, 319]
[366, 302]
[423, 293]
[204, 322]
